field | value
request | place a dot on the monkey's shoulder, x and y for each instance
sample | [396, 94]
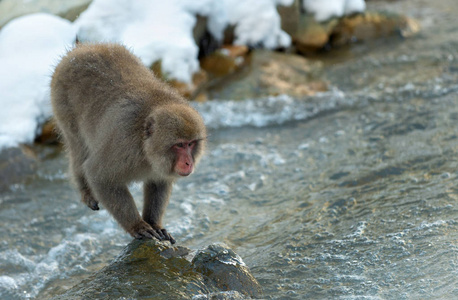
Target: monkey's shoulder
[101, 58]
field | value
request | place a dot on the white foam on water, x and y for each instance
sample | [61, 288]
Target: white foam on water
[267, 111]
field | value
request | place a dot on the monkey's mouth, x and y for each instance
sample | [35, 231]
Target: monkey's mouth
[184, 174]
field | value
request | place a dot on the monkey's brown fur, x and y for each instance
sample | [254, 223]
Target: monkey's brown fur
[121, 124]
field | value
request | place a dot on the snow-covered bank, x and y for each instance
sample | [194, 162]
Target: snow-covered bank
[162, 30]
[30, 46]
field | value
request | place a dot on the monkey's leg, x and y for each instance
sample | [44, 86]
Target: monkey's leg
[119, 202]
[86, 194]
[77, 158]
[156, 197]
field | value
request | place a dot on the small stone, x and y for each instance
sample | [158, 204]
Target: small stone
[48, 133]
[225, 61]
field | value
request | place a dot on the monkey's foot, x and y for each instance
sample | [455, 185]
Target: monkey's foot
[90, 201]
[94, 205]
[143, 230]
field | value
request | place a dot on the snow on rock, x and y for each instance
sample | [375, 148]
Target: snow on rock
[257, 22]
[154, 30]
[354, 6]
[326, 9]
[29, 48]
[162, 30]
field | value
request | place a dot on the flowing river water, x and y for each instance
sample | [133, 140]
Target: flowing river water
[352, 193]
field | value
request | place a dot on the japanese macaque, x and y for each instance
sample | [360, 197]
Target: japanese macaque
[121, 124]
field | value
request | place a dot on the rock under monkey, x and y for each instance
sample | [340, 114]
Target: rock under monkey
[120, 124]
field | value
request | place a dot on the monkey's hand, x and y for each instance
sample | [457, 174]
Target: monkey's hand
[165, 235]
[143, 230]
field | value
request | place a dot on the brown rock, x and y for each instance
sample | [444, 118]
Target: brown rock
[312, 35]
[372, 25]
[271, 73]
[225, 61]
[289, 16]
[48, 133]
[411, 27]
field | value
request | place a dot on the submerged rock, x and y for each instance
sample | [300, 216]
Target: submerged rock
[152, 269]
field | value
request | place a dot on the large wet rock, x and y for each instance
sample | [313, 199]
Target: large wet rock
[152, 269]
[224, 268]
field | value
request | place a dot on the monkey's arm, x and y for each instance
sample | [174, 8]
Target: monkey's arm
[119, 202]
[156, 198]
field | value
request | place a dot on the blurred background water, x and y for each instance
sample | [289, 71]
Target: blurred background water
[348, 194]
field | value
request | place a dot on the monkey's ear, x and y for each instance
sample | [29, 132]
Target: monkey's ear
[149, 126]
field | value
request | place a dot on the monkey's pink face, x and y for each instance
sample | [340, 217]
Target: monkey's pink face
[184, 163]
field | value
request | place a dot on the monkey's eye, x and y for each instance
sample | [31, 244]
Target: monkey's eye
[180, 145]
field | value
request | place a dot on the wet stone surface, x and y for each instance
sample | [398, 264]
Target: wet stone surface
[146, 269]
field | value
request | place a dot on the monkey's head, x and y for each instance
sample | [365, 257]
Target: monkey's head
[174, 139]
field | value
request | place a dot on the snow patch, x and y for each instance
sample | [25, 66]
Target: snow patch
[326, 9]
[162, 30]
[154, 30]
[268, 111]
[257, 22]
[29, 47]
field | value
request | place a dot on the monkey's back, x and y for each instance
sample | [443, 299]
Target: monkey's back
[102, 86]
[101, 95]
[93, 77]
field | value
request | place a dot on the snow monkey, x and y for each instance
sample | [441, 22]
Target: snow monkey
[120, 124]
